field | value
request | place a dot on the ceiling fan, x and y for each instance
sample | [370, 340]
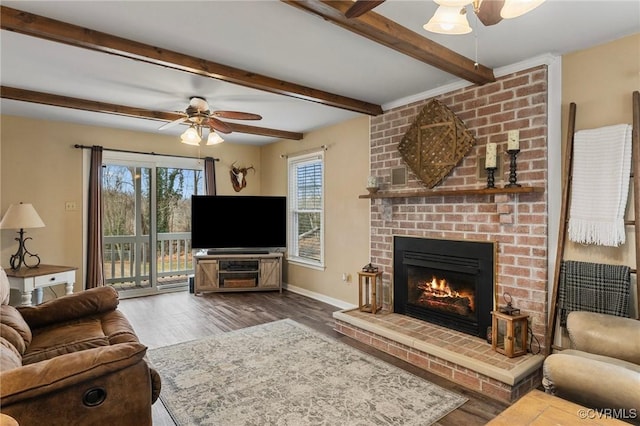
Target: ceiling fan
[450, 16]
[199, 116]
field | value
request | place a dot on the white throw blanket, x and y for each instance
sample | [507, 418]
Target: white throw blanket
[600, 185]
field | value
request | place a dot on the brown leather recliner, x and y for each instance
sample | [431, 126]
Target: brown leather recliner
[74, 360]
[602, 368]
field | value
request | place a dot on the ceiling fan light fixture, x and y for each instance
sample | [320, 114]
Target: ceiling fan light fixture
[448, 20]
[214, 138]
[515, 8]
[198, 117]
[190, 136]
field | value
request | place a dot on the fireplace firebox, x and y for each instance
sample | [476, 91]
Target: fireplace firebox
[446, 282]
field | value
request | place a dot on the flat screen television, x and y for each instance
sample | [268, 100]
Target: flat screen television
[238, 223]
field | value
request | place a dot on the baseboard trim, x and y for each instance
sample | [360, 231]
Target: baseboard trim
[317, 296]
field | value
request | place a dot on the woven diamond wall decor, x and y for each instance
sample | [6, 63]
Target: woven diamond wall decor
[435, 143]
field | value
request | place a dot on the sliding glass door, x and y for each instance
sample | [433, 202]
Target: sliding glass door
[147, 222]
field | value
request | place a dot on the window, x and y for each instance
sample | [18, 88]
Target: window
[306, 209]
[147, 221]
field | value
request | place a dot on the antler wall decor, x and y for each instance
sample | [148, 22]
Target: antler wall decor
[238, 176]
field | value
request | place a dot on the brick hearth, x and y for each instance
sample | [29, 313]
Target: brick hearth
[461, 358]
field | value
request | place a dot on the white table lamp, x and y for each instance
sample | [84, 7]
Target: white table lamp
[22, 216]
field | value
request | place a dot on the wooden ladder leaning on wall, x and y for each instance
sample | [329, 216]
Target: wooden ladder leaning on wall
[566, 196]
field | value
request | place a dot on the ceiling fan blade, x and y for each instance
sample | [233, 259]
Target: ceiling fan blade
[489, 11]
[237, 115]
[361, 7]
[172, 123]
[219, 126]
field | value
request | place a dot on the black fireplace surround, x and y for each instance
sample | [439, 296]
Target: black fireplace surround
[446, 282]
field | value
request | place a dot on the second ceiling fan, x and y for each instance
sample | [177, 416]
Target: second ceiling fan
[199, 116]
[449, 17]
[198, 113]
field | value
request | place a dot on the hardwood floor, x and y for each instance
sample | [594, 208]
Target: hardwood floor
[172, 318]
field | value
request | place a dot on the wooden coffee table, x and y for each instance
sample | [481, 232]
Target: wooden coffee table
[540, 409]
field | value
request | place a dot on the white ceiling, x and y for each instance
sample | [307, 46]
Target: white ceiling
[273, 39]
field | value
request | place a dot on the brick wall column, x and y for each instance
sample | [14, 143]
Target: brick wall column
[518, 223]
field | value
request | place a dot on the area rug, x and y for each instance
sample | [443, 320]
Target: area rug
[284, 373]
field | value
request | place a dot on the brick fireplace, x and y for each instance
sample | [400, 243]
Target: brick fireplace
[516, 224]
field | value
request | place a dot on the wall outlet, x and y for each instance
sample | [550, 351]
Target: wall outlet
[70, 206]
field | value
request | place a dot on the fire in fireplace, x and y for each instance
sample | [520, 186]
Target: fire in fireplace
[441, 292]
[446, 282]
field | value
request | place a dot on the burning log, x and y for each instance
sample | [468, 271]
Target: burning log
[439, 295]
[455, 304]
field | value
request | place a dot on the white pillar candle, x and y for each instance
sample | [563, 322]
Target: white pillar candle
[513, 140]
[490, 161]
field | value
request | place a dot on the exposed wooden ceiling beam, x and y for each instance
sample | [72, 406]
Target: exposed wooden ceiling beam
[62, 32]
[393, 35]
[360, 7]
[107, 108]
[263, 131]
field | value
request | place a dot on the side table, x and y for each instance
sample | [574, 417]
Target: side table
[29, 279]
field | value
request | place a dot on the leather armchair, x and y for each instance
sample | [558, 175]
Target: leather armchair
[74, 360]
[602, 369]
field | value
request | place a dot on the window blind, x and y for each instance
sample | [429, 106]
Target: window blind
[306, 183]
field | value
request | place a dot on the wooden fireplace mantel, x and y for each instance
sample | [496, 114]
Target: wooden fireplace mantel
[453, 192]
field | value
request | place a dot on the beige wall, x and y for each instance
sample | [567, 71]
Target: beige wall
[40, 166]
[346, 216]
[600, 82]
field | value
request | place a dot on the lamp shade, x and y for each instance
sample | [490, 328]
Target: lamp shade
[448, 20]
[190, 136]
[214, 138]
[515, 8]
[21, 216]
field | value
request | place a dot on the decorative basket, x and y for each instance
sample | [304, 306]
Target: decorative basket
[435, 143]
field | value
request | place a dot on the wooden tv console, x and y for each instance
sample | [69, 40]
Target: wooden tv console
[238, 272]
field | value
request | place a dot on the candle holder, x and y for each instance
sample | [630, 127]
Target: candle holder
[491, 181]
[513, 179]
